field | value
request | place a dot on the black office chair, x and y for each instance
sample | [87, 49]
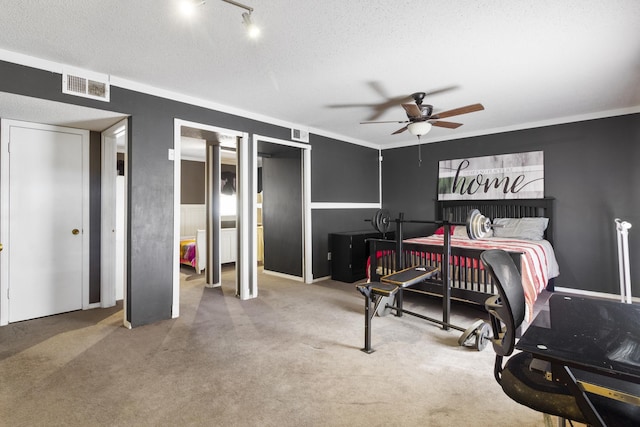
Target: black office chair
[523, 378]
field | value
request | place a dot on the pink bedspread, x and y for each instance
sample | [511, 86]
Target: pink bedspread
[538, 260]
[188, 252]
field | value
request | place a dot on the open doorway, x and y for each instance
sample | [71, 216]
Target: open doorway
[208, 197]
[212, 216]
[284, 207]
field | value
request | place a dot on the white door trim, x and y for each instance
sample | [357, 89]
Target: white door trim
[108, 220]
[246, 264]
[4, 210]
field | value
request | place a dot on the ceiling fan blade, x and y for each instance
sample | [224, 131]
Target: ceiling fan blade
[399, 130]
[449, 125]
[368, 122]
[350, 105]
[457, 111]
[389, 101]
[412, 110]
[377, 87]
[441, 90]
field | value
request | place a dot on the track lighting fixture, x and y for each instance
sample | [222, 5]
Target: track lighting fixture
[188, 8]
[252, 30]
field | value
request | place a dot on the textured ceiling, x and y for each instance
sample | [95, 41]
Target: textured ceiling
[530, 63]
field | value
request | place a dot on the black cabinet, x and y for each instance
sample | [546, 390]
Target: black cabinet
[349, 252]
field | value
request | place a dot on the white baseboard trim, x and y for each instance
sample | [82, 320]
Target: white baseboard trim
[321, 279]
[591, 293]
[214, 285]
[283, 275]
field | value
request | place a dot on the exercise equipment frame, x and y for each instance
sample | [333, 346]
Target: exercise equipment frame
[377, 293]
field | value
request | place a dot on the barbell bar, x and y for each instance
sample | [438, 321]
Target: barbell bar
[477, 225]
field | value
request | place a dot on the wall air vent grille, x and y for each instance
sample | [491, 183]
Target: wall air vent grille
[85, 84]
[299, 135]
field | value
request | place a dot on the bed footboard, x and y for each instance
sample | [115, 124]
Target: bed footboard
[467, 280]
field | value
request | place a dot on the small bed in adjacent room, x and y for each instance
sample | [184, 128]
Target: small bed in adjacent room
[193, 251]
[525, 230]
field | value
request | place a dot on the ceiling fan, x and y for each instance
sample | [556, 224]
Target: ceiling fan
[379, 108]
[420, 116]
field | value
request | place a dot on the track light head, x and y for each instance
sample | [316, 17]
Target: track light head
[252, 30]
[188, 7]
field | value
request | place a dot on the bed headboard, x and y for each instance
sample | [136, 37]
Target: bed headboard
[192, 219]
[457, 210]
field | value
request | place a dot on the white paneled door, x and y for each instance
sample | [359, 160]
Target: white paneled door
[46, 258]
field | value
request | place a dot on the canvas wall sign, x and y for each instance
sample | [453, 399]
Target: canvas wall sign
[506, 176]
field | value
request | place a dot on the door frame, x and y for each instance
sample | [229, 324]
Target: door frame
[5, 129]
[307, 258]
[109, 150]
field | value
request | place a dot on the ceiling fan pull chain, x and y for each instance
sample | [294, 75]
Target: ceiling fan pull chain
[419, 152]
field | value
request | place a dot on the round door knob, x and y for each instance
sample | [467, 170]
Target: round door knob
[75, 231]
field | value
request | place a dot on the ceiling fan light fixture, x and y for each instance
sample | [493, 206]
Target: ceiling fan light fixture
[419, 128]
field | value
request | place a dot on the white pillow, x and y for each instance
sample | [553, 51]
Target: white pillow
[521, 228]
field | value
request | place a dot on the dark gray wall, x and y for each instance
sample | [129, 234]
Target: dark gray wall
[282, 212]
[192, 182]
[591, 169]
[341, 172]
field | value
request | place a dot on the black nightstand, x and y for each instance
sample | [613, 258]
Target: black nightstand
[349, 252]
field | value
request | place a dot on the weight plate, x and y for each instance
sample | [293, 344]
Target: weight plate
[381, 220]
[382, 309]
[483, 335]
[477, 224]
[374, 220]
[468, 332]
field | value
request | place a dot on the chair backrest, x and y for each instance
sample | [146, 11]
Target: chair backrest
[508, 307]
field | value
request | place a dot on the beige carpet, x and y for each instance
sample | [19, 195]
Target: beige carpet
[291, 357]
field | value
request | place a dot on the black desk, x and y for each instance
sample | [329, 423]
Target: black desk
[349, 253]
[591, 335]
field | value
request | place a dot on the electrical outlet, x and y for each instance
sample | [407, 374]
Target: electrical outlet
[328, 256]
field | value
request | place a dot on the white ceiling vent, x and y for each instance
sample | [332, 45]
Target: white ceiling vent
[86, 84]
[299, 135]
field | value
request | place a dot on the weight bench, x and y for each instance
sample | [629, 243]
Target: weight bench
[377, 294]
